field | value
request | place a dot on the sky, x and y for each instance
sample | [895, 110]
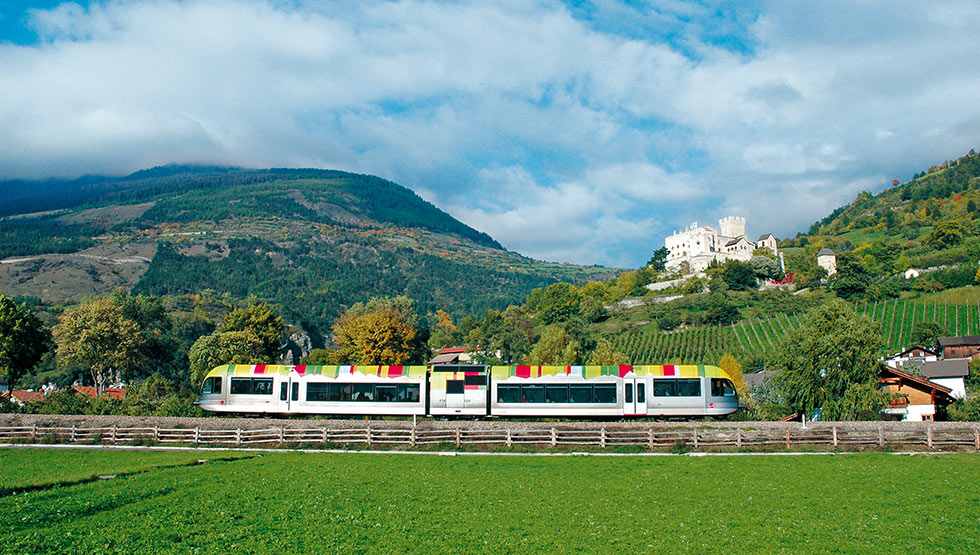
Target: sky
[578, 132]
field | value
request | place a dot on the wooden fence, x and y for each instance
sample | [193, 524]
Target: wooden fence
[652, 438]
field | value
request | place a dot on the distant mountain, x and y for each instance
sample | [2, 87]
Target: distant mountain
[311, 241]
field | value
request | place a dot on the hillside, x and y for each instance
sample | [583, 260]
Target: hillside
[931, 220]
[310, 241]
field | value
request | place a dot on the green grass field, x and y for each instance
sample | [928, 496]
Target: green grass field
[343, 503]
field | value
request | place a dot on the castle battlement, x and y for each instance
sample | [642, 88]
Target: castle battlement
[699, 245]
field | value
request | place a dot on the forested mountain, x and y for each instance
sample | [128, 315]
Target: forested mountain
[311, 242]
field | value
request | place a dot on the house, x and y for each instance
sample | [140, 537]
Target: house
[453, 355]
[768, 241]
[827, 260]
[916, 398]
[960, 347]
[22, 396]
[915, 353]
[912, 273]
[116, 393]
[951, 373]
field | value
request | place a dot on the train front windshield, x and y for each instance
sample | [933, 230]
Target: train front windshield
[722, 387]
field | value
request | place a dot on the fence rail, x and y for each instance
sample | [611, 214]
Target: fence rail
[651, 438]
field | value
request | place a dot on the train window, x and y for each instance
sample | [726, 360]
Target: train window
[240, 385]
[628, 390]
[295, 391]
[408, 393]
[317, 392]
[475, 380]
[556, 394]
[212, 386]
[641, 392]
[689, 388]
[454, 386]
[532, 393]
[339, 392]
[580, 393]
[605, 393]
[364, 392]
[508, 394]
[262, 386]
[283, 391]
[386, 393]
[664, 388]
[721, 387]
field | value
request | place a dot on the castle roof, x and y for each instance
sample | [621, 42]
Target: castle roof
[826, 252]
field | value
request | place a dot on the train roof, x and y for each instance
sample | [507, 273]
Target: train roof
[496, 372]
[259, 370]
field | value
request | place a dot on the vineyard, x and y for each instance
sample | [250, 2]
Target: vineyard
[707, 344]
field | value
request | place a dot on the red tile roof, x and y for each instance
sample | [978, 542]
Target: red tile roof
[113, 392]
[25, 396]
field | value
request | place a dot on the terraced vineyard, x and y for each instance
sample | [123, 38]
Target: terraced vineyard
[706, 345]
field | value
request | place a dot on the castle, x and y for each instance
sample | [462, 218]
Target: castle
[698, 246]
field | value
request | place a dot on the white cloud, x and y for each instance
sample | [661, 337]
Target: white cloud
[583, 133]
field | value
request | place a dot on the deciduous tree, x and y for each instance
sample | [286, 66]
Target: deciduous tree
[382, 331]
[23, 341]
[263, 322]
[229, 347]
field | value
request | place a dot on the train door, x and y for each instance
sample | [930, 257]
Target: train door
[455, 394]
[634, 397]
[288, 393]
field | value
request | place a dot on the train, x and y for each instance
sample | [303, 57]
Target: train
[471, 391]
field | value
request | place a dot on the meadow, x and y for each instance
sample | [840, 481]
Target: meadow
[287, 502]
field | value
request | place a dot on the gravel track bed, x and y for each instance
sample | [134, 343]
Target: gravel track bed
[252, 423]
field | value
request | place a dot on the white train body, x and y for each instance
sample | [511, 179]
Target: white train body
[472, 390]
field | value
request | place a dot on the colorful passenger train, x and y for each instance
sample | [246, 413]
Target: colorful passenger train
[472, 390]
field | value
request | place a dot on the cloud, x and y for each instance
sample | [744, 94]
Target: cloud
[582, 132]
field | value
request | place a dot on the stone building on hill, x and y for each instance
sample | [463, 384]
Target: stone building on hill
[827, 260]
[695, 248]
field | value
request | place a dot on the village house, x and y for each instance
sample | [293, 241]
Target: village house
[951, 373]
[915, 398]
[915, 353]
[453, 355]
[695, 248]
[966, 346]
[827, 260]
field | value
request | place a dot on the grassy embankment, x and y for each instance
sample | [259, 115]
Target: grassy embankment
[301, 503]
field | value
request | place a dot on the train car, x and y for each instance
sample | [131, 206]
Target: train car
[472, 391]
[278, 389]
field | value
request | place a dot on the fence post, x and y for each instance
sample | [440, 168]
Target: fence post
[787, 439]
[695, 438]
[835, 436]
[74, 427]
[197, 436]
[324, 431]
[33, 432]
[976, 438]
[738, 437]
[650, 439]
[602, 437]
[282, 434]
[113, 438]
[413, 437]
[929, 436]
[510, 441]
[459, 440]
[369, 434]
[554, 437]
[156, 434]
[238, 436]
[881, 436]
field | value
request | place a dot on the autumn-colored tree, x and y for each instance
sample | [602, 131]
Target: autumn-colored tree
[381, 331]
[731, 367]
[97, 335]
[23, 341]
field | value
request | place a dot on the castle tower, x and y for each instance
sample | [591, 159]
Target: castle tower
[732, 226]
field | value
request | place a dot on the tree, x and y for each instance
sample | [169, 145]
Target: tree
[229, 347]
[927, 334]
[263, 322]
[23, 341]
[556, 303]
[734, 369]
[605, 355]
[831, 362]
[946, 234]
[659, 259]
[97, 335]
[556, 346]
[382, 331]
[503, 336]
[740, 276]
[765, 267]
[852, 278]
